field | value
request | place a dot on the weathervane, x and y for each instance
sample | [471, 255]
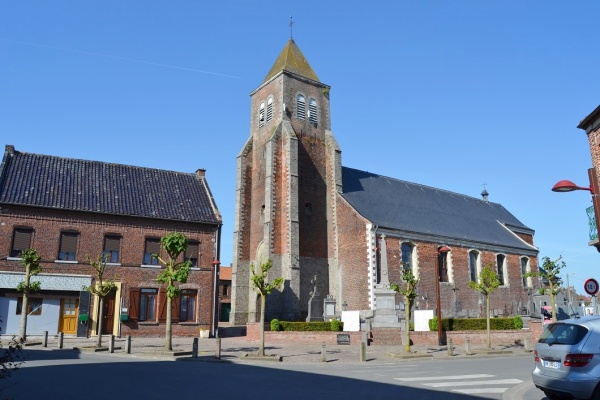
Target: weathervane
[291, 25]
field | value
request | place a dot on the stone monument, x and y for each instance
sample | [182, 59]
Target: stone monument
[385, 298]
[315, 306]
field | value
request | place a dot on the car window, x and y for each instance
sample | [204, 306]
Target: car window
[563, 334]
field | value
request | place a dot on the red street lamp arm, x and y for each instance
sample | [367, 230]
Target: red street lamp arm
[568, 186]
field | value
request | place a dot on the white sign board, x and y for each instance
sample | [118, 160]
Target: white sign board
[422, 318]
[351, 320]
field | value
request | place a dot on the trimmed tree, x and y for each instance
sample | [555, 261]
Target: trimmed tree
[101, 289]
[410, 293]
[488, 282]
[31, 261]
[550, 274]
[175, 272]
[260, 283]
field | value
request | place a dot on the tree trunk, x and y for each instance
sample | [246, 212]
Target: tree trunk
[168, 332]
[100, 322]
[487, 315]
[552, 302]
[261, 345]
[407, 327]
[24, 305]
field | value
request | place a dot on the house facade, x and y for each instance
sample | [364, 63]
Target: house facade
[73, 211]
[347, 234]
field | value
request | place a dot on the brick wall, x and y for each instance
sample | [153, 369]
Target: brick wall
[47, 225]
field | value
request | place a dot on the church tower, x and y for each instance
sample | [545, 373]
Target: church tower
[288, 172]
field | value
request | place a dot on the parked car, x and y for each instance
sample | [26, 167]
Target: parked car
[567, 359]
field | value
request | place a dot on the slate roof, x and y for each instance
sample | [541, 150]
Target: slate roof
[292, 60]
[423, 210]
[91, 186]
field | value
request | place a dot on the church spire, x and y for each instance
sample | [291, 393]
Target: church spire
[292, 60]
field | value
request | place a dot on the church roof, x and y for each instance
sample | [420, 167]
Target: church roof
[292, 60]
[423, 210]
[92, 186]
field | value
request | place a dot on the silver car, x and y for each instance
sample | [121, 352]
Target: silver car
[567, 359]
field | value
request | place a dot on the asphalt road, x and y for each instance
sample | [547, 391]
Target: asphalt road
[63, 374]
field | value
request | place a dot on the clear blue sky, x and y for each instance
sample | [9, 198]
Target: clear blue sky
[450, 94]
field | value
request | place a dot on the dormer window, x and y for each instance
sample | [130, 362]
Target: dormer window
[270, 109]
[300, 107]
[312, 111]
[261, 115]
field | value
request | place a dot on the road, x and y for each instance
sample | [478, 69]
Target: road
[71, 375]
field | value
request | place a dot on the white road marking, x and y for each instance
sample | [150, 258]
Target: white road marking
[441, 378]
[482, 390]
[475, 383]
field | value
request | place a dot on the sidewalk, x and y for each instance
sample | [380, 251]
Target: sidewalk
[238, 349]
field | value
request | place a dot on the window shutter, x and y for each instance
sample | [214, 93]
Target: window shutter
[22, 240]
[312, 111]
[134, 303]
[68, 242]
[112, 243]
[269, 109]
[300, 107]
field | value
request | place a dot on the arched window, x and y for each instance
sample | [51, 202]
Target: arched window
[473, 265]
[408, 255]
[270, 109]
[443, 266]
[525, 268]
[312, 111]
[300, 107]
[261, 115]
[501, 266]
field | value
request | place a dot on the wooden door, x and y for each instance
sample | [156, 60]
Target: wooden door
[108, 313]
[69, 308]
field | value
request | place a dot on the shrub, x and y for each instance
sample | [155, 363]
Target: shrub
[336, 325]
[309, 326]
[518, 322]
[475, 324]
[275, 325]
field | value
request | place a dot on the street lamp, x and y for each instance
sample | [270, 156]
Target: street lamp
[568, 186]
[441, 250]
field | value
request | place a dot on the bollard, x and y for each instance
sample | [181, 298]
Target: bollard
[363, 351]
[218, 349]
[111, 344]
[527, 345]
[450, 347]
[467, 346]
[128, 344]
[323, 353]
[45, 341]
[61, 338]
[195, 348]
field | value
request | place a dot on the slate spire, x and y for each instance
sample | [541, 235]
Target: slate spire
[292, 60]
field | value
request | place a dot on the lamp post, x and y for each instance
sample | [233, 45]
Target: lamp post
[441, 250]
[568, 186]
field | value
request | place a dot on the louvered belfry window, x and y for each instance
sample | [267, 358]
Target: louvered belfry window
[270, 110]
[300, 107]
[191, 253]
[112, 245]
[261, 115]
[68, 246]
[152, 247]
[312, 111]
[21, 241]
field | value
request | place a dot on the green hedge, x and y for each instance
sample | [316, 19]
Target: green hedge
[334, 325]
[477, 324]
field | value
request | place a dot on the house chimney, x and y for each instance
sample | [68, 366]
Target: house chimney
[201, 173]
[10, 149]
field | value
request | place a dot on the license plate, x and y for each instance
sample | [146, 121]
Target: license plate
[551, 364]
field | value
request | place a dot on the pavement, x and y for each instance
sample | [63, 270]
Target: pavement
[240, 350]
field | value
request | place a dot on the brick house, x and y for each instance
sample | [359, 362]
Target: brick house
[224, 293]
[354, 230]
[71, 210]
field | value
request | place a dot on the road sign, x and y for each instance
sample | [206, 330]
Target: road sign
[591, 286]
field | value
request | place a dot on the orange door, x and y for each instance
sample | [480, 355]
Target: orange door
[67, 323]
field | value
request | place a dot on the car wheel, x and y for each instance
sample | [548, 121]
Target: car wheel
[554, 396]
[596, 395]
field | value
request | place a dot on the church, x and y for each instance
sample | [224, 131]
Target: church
[344, 235]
